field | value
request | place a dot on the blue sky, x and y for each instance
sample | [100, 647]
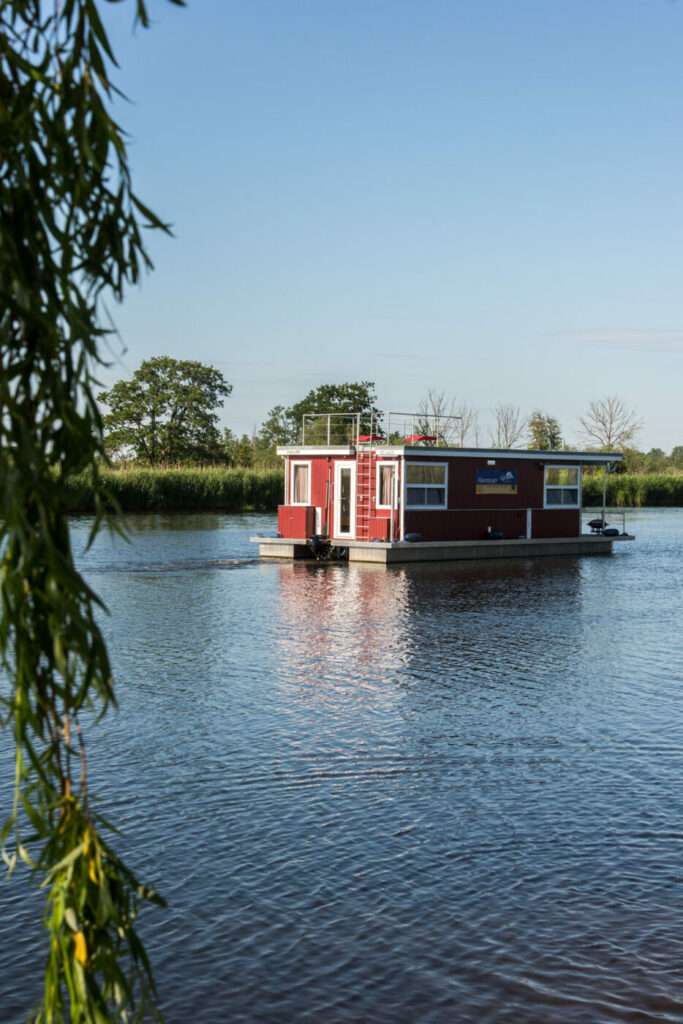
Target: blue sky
[482, 197]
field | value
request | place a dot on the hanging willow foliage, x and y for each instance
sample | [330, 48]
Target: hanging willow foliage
[70, 233]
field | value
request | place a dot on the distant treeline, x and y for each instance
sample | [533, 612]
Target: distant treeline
[628, 490]
[247, 490]
[188, 488]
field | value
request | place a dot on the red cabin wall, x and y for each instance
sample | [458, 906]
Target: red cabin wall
[322, 470]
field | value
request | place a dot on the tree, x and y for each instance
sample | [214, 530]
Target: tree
[284, 426]
[467, 423]
[676, 457]
[437, 417]
[610, 423]
[70, 235]
[452, 419]
[166, 413]
[239, 451]
[336, 398]
[545, 433]
[278, 428]
[509, 424]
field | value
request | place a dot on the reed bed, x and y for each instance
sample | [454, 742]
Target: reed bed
[634, 490]
[185, 488]
[250, 490]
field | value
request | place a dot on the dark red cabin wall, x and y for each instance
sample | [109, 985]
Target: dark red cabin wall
[556, 522]
[462, 483]
[469, 515]
[465, 525]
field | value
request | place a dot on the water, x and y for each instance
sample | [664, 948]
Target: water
[433, 793]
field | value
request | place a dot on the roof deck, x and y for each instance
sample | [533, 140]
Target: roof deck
[399, 434]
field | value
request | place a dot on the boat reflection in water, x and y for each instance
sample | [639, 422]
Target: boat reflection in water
[440, 623]
[475, 791]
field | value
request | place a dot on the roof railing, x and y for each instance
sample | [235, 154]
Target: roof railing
[351, 428]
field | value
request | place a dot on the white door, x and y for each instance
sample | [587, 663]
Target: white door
[345, 500]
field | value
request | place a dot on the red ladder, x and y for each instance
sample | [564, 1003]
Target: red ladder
[366, 460]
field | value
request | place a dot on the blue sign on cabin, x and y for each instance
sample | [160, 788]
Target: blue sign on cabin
[496, 481]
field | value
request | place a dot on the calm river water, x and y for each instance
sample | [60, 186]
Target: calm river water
[442, 793]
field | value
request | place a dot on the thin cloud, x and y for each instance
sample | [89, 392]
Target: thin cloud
[638, 340]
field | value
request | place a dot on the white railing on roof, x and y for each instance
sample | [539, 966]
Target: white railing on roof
[351, 428]
[419, 428]
[332, 428]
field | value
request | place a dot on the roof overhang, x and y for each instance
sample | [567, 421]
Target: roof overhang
[517, 455]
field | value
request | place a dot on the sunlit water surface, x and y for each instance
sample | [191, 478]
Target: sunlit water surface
[436, 793]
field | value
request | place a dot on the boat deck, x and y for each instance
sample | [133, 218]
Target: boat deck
[388, 552]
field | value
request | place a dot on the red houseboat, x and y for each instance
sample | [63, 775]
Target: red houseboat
[398, 495]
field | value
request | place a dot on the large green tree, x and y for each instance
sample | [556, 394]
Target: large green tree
[166, 413]
[676, 457]
[285, 425]
[278, 428]
[70, 236]
[545, 433]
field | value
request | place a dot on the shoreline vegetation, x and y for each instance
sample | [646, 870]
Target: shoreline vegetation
[183, 488]
[634, 490]
[234, 489]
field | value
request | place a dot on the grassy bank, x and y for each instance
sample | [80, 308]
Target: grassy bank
[628, 490]
[155, 490]
[249, 490]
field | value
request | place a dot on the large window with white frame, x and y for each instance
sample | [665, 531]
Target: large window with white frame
[562, 487]
[300, 489]
[426, 485]
[387, 474]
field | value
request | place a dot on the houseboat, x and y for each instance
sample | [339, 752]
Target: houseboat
[403, 492]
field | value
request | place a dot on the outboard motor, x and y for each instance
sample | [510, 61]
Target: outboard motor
[320, 547]
[323, 551]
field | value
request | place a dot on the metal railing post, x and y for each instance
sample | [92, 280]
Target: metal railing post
[604, 494]
[393, 503]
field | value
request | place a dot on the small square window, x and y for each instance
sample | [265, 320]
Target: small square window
[426, 485]
[562, 487]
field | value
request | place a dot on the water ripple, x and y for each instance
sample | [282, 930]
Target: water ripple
[435, 793]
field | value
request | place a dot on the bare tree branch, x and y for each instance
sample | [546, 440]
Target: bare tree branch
[438, 416]
[468, 424]
[610, 423]
[509, 425]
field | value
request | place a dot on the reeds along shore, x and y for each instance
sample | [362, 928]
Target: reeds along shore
[635, 490]
[185, 488]
[250, 490]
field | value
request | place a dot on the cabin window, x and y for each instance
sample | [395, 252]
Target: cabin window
[301, 483]
[562, 487]
[386, 474]
[426, 485]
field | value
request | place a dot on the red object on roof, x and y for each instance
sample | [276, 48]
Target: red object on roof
[368, 437]
[419, 437]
